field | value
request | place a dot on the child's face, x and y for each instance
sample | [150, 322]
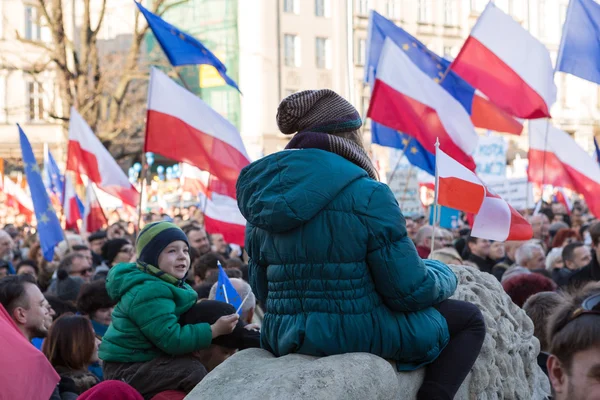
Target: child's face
[175, 259]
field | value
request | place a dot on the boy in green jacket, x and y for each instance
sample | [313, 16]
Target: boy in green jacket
[145, 346]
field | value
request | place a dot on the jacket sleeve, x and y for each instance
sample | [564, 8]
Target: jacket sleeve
[405, 281]
[153, 311]
[258, 280]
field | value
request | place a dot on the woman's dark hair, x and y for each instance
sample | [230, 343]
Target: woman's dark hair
[60, 306]
[93, 296]
[207, 262]
[70, 343]
[29, 263]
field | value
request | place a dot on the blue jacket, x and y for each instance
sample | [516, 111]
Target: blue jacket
[330, 257]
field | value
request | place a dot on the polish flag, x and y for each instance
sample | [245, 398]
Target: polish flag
[87, 156]
[71, 208]
[461, 189]
[94, 218]
[16, 197]
[567, 164]
[184, 128]
[406, 99]
[222, 215]
[562, 197]
[193, 180]
[508, 64]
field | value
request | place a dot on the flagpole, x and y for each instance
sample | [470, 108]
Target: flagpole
[400, 157]
[143, 175]
[435, 199]
[403, 198]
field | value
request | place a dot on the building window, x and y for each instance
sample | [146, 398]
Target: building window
[363, 7]
[291, 6]
[323, 53]
[33, 28]
[35, 101]
[291, 51]
[323, 8]
[450, 13]
[364, 106]
[477, 6]
[448, 52]
[392, 9]
[361, 51]
[424, 15]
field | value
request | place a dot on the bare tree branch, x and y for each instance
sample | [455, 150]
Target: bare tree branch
[100, 19]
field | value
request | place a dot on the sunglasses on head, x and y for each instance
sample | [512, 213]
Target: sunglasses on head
[590, 305]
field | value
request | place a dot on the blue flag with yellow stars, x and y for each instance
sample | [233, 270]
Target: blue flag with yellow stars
[416, 154]
[49, 230]
[181, 48]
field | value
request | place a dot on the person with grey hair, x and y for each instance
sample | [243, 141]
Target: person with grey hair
[531, 256]
[423, 240]
[243, 289]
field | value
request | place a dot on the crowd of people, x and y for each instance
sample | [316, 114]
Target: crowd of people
[135, 312]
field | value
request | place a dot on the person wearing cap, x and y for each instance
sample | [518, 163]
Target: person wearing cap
[330, 256]
[114, 251]
[145, 335]
[96, 241]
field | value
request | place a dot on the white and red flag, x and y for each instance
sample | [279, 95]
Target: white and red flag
[17, 197]
[193, 180]
[94, 218]
[506, 63]
[556, 159]
[71, 206]
[406, 99]
[87, 156]
[222, 214]
[182, 127]
[461, 189]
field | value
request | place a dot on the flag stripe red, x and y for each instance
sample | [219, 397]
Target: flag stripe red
[232, 233]
[519, 228]
[396, 110]
[460, 194]
[173, 138]
[486, 115]
[504, 87]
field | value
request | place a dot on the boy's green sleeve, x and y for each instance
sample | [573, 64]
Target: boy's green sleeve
[153, 311]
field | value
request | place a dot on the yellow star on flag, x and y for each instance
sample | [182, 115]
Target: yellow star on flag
[50, 208]
[414, 150]
[405, 47]
[436, 80]
[439, 66]
[414, 44]
[181, 36]
[405, 142]
[44, 218]
[33, 167]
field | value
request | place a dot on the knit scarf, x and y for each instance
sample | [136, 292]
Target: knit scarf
[152, 270]
[334, 144]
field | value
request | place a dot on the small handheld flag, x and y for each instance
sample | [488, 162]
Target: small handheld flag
[226, 292]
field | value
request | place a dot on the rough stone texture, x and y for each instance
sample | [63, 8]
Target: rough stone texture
[506, 367]
[256, 374]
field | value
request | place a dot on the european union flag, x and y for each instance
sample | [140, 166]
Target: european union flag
[181, 48]
[415, 153]
[226, 292]
[49, 230]
[579, 52]
[53, 179]
[430, 63]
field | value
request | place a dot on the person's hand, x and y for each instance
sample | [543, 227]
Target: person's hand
[224, 325]
[252, 327]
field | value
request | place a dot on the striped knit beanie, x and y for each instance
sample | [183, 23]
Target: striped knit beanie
[317, 111]
[153, 239]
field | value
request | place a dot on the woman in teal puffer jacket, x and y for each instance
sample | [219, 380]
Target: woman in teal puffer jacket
[330, 258]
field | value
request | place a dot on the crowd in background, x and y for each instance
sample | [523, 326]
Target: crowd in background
[66, 309]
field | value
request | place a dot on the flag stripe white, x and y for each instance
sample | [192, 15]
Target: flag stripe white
[167, 97]
[493, 220]
[563, 146]
[518, 49]
[420, 87]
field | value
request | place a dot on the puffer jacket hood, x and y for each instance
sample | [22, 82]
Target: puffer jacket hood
[284, 190]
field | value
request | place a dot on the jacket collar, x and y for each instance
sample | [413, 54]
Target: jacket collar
[152, 270]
